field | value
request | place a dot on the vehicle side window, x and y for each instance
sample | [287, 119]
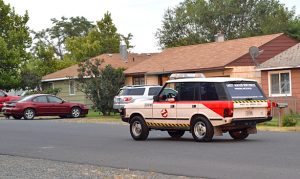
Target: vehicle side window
[40, 99]
[136, 91]
[187, 91]
[208, 92]
[53, 99]
[2, 94]
[154, 91]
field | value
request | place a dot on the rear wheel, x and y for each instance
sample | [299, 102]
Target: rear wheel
[176, 134]
[75, 112]
[138, 128]
[29, 114]
[202, 130]
[239, 135]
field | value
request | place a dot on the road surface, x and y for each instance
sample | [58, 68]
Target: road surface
[264, 155]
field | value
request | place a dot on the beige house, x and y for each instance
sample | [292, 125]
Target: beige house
[65, 79]
[217, 59]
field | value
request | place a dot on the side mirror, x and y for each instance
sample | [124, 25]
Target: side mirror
[62, 101]
[156, 98]
[5, 95]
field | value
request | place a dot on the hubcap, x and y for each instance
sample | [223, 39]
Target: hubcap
[29, 113]
[136, 128]
[75, 112]
[200, 129]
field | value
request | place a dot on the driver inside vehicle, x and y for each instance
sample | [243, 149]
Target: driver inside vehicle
[168, 94]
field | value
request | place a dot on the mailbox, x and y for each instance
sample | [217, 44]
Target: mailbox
[282, 105]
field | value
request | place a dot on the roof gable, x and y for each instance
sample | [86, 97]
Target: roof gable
[288, 58]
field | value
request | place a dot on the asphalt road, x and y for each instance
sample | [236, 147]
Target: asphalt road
[264, 155]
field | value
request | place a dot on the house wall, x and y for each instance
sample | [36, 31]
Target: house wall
[248, 72]
[128, 80]
[151, 80]
[79, 96]
[270, 49]
[293, 100]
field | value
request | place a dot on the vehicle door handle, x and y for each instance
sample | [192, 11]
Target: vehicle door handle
[172, 106]
[193, 106]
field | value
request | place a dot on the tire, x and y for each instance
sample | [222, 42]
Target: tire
[75, 112]
[176, 134]
[202, 130]
[239, 135]
[138, 128]
[17, 117]
[29, 114]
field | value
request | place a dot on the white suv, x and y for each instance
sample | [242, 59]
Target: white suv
[203, 106]
[129, 94]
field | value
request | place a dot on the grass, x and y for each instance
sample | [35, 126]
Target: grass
[97, 117]
[273, 126]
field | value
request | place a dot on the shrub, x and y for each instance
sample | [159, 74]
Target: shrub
[291, 119]
[54, 91]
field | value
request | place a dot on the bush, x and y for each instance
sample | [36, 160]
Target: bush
[54, 91]
[291, 119]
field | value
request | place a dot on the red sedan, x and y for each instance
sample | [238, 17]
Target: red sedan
[43, 105]
[5, 97]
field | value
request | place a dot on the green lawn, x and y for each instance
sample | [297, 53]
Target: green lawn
[274, 123]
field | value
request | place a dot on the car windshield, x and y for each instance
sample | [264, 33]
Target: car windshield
[131, 91]
[244, 90]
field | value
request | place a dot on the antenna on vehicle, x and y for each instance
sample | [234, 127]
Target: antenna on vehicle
[254, 53]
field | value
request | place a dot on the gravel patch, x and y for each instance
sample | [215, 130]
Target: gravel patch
[27, 168]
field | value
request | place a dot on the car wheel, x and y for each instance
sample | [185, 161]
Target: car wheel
[176, 134]
[75, 112]
[17, 117]
[138, 128]
[202, 130]
[239, 135]
[29, 114]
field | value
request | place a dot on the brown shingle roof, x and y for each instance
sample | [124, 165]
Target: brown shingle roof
[113, 59]
[197, 57]
[288, 58]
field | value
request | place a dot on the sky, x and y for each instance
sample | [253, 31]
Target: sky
[142, 18]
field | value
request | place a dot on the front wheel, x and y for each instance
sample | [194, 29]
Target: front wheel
[176, 134]
[138, 128]
[75, 112]
[29, 114]
[239, 135]
[202, 130]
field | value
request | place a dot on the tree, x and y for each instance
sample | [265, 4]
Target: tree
[102, 39]
[102, 84]
[197, 21]
[14, 40]
[61, 30]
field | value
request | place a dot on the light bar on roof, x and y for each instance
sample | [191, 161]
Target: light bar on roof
[187, 75]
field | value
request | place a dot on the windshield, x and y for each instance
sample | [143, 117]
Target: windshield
[244, 90]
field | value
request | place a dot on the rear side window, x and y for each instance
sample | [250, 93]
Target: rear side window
[154, 91]
[40, 99]
[244, 90]
[133, 91]
[212, 91]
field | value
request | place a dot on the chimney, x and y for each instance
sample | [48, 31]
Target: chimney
[219, 37]
[123, 51]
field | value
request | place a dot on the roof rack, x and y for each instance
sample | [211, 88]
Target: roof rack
[186, 75]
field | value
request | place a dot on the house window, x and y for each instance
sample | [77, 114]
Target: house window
[280, 83]
[138, 80]
[72, 87]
